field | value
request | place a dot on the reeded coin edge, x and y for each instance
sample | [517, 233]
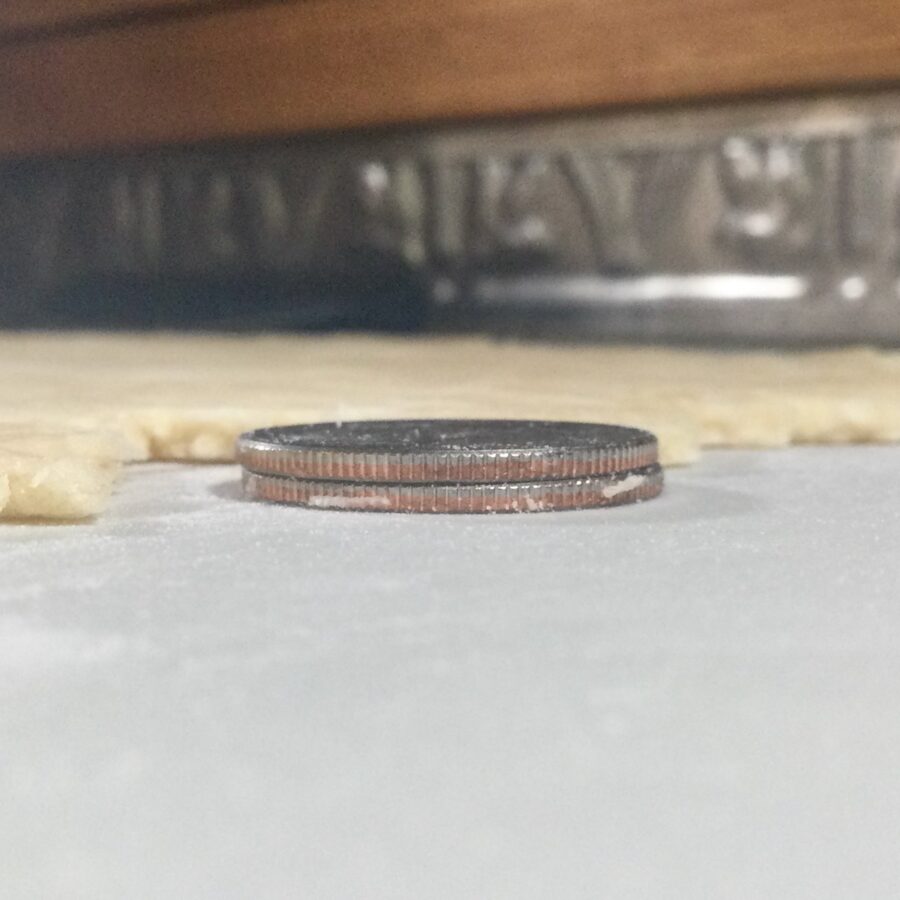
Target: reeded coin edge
[449, 467]
[540, 496]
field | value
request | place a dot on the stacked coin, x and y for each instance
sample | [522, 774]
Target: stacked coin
[451, 465]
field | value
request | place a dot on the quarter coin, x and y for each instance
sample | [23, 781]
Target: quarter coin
[534, 496]
[446, 451]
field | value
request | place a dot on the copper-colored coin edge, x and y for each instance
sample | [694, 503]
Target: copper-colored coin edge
[538, 496]
[477, 466]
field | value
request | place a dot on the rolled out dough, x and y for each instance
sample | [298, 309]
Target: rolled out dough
[73, 407]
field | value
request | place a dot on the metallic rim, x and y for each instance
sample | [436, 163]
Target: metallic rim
[541, 496]
[269, 457]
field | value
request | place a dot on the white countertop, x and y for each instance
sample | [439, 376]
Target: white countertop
[698, 697]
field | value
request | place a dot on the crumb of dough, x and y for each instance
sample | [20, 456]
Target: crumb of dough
[74, 407]
[55, 472]
[628, 483]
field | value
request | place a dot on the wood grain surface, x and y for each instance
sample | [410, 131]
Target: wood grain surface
[29, 16]
[325, 64]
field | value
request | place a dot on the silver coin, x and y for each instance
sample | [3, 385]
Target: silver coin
[446, 451]
[527, 497]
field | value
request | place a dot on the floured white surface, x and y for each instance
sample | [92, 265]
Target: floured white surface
[187, 397]
[693, 697]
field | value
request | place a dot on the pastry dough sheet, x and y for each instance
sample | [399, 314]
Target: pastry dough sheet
[74, 407]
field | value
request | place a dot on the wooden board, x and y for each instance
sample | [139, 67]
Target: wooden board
[325, 64]
[30, 16]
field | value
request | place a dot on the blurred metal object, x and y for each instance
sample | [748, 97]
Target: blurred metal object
[774, 222]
